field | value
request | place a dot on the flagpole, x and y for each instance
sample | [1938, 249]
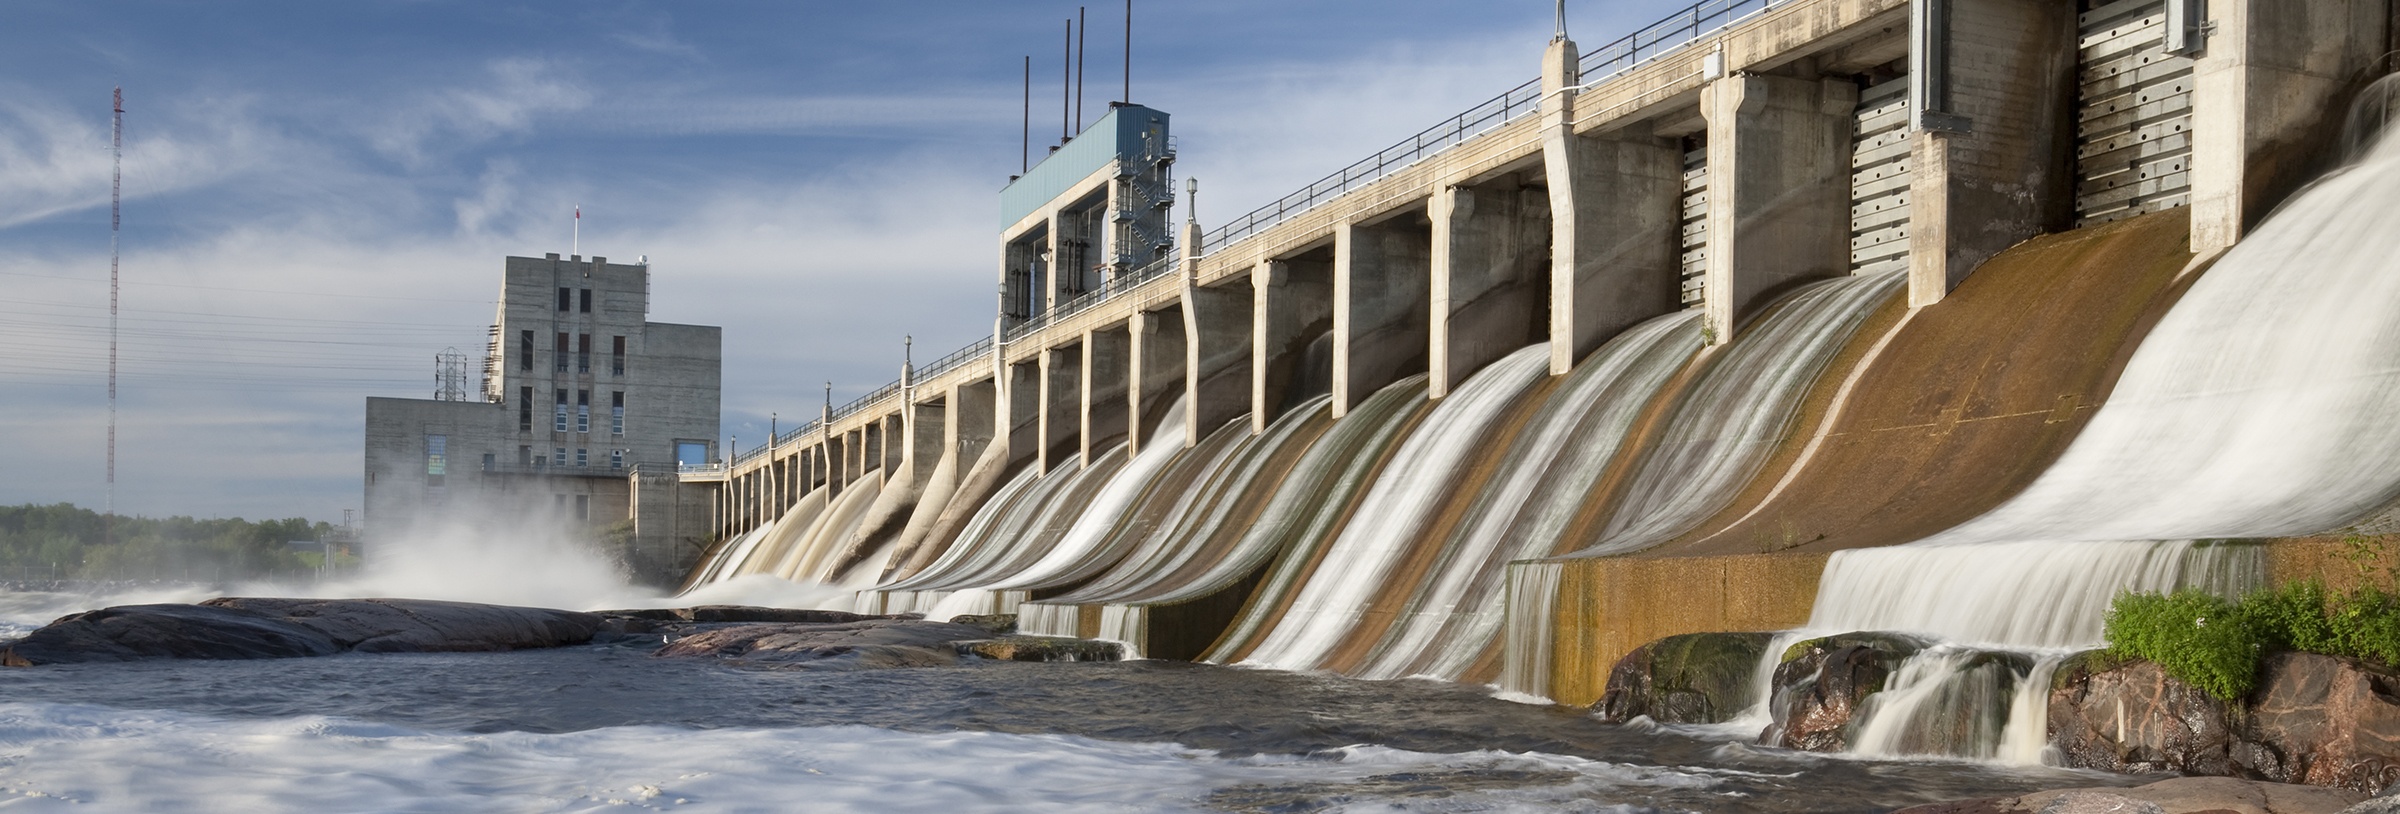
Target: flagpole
[575, 249]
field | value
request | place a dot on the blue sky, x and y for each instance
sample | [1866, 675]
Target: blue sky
[318, 194]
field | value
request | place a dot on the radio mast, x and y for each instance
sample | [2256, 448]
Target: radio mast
[116, 210]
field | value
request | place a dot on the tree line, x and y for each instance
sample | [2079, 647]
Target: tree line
[63, 541]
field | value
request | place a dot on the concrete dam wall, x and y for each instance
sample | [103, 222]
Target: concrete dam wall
[1636, 349]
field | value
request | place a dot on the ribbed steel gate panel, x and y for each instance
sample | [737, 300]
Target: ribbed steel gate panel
[1879, 178]
[1695, 226]
[2133, 133]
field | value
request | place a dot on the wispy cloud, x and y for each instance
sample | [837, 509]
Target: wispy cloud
[509, 96]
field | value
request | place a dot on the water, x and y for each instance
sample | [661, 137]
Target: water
[1093, 539]
[1393, 515]
[1452, 620]
[1312, 504]
[2024, 595]
[603, 728]
[1722, 430]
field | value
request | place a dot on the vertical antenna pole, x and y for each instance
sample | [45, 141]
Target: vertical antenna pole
[116, 211]
[575, 249]
[1025, 152]
[1128, 52]
[1066, 83]
[1082, 30]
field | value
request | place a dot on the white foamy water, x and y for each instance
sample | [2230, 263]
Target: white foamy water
[2262, 403]
[2021, 595]
[56, 757]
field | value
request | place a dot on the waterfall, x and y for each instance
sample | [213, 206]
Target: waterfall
[1453, 619]
[2261, 405]
[1201, 548]
[1394, 513]
[731, 557]
[2026, 595]
[1099, 521]
[1722, 430]
[1314, 503]
[1018, 534]
[1532, 600]
[2003, 615]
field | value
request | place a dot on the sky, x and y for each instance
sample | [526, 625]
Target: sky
[317, 196]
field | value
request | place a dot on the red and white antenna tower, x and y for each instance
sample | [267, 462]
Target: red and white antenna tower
[116, 186]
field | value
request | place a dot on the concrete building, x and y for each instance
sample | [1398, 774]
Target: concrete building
[586, 412]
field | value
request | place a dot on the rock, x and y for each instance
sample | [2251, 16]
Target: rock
[1043, 648]
[2183, 795]
[737, 613]
[2380, 805]
[868, 643]
[2320, 720]
[999, 624]
[1695, 678]
[424, 625]
[138, 632]
[1822, 683]
[254, 628]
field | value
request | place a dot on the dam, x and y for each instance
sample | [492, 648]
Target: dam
[1763, 317]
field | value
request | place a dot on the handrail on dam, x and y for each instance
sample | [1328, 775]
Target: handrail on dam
[1108, 288]
[1624, 54]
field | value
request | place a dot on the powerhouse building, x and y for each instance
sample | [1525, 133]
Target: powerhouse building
[585, 412]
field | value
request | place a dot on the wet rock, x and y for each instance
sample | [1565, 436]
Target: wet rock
[2320, 720]
[1000, 624]
[1822, 683]
[2183, 795]
[424, 625]
[866, 643]
[738, 613]
[139, 632]
[1695, 678]
[1043, 648]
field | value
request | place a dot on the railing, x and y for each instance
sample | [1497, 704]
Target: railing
[1502, 109]
[1667, 35]
[974, 350]
[863, 402]
[1083, 302]
[1632, 50]
[716, 468]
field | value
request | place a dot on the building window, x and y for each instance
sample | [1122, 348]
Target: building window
[562, 297]
[524, 455]
[616, 413]
[583, 457]
[524, 350]
[616, 363]
[436, 465]
[561, 353]
[559, 424]
[587, 301]
[583, 507]
[524, 409]
[583, 411]
[583, 353]
[616, 459]
[558, 456]
[491, 462]
[691, 453]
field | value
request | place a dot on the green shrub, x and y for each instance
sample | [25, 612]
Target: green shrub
[2195, 636]
[2216, 645]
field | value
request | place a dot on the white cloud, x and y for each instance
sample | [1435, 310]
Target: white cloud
[507, 99]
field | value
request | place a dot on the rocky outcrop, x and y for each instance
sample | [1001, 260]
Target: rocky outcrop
[1696, 678]
[244, 628]
[2320, 720]
[1822, 683]
[424, 625]
[863, 644]
[2183, 795]
[738, 614]
[1043, 648]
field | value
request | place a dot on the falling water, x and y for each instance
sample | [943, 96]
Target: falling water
[1547, 474]
[1532, 594]
[1313, 505]
[1105, 527]
[1394, 513]
[1724, 427]
[2019, 595]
